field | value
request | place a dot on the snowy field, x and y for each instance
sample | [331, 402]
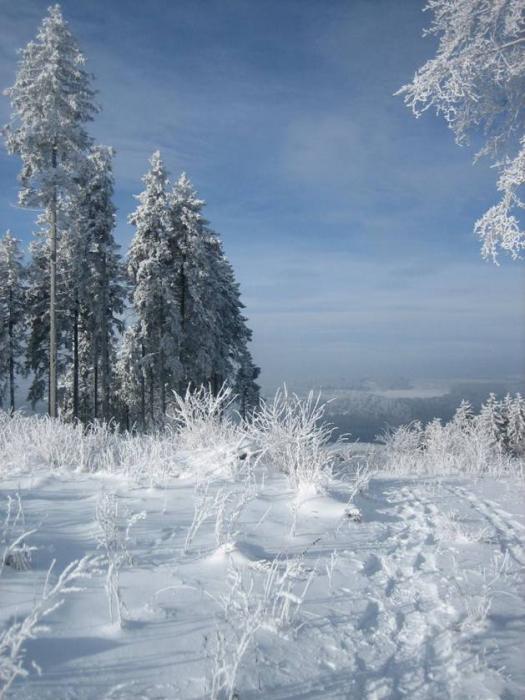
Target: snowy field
[218, 575]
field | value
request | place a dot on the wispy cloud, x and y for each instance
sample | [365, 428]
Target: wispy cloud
[349, 223]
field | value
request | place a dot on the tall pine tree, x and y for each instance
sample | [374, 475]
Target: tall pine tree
[153, 340]
[214, 338]
[92, 281]
[51, 100]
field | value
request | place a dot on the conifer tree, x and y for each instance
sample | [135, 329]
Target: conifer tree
[476, 82]
[246, 387]
[105, 291]
[51, 100]
[232, 361]
[93, 288]
[189, 240]
[491, 420]
[214, 335]
[514, 411]
[188, 328]
[153, 268]
[130, 381]
[12, 318]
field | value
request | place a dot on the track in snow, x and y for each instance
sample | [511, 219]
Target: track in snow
[405, 615]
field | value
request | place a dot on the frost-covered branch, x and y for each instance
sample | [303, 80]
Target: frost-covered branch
[476, 82]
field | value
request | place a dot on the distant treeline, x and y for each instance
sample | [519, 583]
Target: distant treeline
[366, 415]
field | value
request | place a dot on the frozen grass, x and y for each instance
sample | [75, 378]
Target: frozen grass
[198, 428]
[115, 524]
[248, 604]
[15, 552]
[292, 436]
[203, 438]
[246, 610]
[469, 444]
[14, 638]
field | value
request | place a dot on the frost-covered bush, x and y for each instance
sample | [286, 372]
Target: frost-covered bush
[201, 417]
[201, 439]
[145, 458]
[491, 442]
[209, 438]
[224, 506]
[292, 436]
[29, 441]
[34, 441]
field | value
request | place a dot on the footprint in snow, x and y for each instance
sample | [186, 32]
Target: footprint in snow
[419, 561]
[369, 619]
[372, 565]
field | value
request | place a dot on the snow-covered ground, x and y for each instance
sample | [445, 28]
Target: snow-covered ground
[412, 590]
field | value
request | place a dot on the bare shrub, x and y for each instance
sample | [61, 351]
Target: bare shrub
[291, 436]
[209, 436]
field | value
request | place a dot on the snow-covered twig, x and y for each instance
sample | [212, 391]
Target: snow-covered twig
[113, 539]
[12, 640]
[15, 552]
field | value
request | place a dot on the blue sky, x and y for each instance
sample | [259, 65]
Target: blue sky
[349, 222]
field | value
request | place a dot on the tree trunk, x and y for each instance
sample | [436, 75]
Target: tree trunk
[184, 379]
[53, 412]
[11, 355]
[151, 396]
[95, 387]
[161, 360]
[104, 350]
[76, 363]
[142, 392]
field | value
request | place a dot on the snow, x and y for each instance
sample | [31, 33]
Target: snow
[422, 597]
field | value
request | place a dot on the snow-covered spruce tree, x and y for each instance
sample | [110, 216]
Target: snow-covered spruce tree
[477, 82]
[246, 387]
[513, 412]
[105, 291]
[12, 317]
[130, 381]
[51, 102]
[92, 280]
[193, 283]
[232, 359]
[214, 335]
[491, 421]
[153, 267]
